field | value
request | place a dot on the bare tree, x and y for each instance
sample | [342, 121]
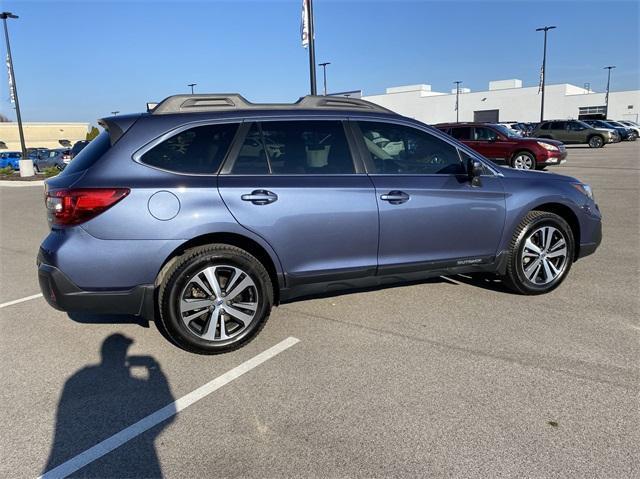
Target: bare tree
[3, 118]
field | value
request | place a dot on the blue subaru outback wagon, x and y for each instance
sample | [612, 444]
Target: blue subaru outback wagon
[207, 211]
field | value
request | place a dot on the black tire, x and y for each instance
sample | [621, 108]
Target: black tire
[596, 141]
[182, 273]
[523, 160]
[515, 278]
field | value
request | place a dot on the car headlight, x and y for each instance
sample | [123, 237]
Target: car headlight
[585, 189]
[547, 146]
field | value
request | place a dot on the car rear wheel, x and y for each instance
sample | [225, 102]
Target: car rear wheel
[523, 160]
[540, 255]
[596, 141]
[214, 299]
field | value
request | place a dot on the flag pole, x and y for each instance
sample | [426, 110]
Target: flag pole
[312, 48]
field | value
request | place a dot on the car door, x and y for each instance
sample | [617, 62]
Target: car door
[490, 143]
[575, 132]
[301, 191]
[430, 214]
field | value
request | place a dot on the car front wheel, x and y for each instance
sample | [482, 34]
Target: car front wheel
[540, 255]
[214, 299]
[523, 160]
[596, 142]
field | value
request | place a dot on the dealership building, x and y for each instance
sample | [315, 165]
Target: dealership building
[41, 135]
[507, 101]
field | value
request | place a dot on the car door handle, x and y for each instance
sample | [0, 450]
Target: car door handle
[395, 197]
[260, 197]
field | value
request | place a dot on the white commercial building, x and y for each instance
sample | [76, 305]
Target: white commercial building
[508, 100]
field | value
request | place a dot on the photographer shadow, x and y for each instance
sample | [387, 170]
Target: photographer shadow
[99, 401]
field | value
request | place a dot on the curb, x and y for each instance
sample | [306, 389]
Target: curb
[21, 184]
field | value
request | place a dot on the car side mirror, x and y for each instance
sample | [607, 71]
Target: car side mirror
[474, 170]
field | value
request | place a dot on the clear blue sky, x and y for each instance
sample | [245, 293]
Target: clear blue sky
[78, 61]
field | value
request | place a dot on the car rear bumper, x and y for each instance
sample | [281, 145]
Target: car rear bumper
[62, 294]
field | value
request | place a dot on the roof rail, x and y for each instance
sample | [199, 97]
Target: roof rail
[203, 102]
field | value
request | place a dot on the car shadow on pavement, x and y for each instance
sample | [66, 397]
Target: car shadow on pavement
[101, 400]
[488, 281]
[86, 318]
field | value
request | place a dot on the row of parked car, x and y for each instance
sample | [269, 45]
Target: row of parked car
[42, 158]
[626, 130]
[544, 145]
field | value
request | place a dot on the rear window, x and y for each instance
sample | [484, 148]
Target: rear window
[89, 155]
[198, 150]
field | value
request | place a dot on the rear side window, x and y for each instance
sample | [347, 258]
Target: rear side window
[295, 148]
[89, 155]
[545, 126]
[198, 150]
[461, 132]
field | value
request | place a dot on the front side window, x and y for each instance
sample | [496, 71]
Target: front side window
[398, 149]
[295, 148]
[482, 133]
[198, 150]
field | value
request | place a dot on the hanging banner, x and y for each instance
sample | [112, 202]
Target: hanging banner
[304, 24]
[12, 95]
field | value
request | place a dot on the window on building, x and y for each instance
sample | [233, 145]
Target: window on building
[592, 110]
[198, 150]
[398, 149]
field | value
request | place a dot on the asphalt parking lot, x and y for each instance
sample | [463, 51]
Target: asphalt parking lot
[452, 377]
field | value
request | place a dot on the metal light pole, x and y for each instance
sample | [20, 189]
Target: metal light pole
[606, 98]
[324, 75]
[457, 100]
[543, 73]
[26, 165]
[312, 48]
[114, 113]
[192, 85]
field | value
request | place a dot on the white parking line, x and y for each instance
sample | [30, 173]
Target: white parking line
[21, 300]
[117, 440]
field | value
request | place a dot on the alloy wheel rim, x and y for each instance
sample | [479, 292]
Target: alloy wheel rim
[544, 256]
[595, 141]
[218, 303]
[523, 162]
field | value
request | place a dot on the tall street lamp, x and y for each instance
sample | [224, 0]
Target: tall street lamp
[26, 165]
[606, 98]
[457, 100]
[192, 85]
[324, 75]
[543, 72]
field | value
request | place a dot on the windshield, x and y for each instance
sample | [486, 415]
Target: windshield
[508, 132]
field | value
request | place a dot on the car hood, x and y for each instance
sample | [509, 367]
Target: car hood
[608, 130]
[545, 140]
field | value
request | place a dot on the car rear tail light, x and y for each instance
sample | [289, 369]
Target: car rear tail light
[74, 206]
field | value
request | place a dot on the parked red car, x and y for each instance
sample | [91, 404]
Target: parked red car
[498, 142]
